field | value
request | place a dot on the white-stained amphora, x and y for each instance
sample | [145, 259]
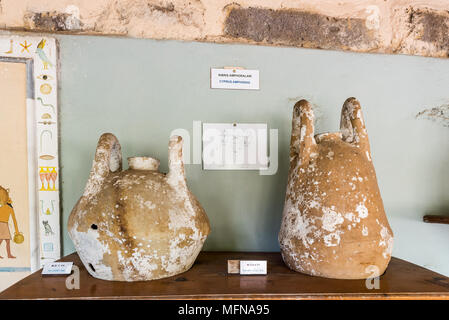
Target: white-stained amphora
[333, 224]
[138, 224]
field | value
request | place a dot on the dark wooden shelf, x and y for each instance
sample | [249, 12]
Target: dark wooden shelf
[436, 219]
[208, 279]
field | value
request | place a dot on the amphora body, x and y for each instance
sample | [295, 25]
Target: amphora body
[333, 224]
[137, 224]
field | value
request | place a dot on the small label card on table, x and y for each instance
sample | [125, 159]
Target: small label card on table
[247, 267]
[234, 78]
[57, 268]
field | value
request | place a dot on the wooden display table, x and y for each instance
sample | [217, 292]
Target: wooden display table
[208, 279]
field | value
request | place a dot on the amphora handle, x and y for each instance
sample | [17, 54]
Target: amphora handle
[108, 158]
[302, 142]
[176, 174]
[352, 125]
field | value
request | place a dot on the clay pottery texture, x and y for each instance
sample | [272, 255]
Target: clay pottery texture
[334, 224]
[137, 224]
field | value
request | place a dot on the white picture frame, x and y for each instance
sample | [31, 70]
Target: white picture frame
[41, 58]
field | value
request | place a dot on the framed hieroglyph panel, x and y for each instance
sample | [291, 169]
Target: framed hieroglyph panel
[29, 170]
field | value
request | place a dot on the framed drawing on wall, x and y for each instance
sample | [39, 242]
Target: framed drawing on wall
[29, 170]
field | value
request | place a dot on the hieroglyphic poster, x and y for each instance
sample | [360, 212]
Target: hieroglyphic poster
[29, 170]
[15, 256]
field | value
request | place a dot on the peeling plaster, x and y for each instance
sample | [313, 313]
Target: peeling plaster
[415, 27]
[299, 28]
[52, 21]
[437, 114]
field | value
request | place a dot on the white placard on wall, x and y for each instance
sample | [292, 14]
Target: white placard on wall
[235, 146]
[234, 78]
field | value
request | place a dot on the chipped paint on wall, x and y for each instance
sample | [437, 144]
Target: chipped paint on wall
[298, 28]
[438, 114]
[409, 27]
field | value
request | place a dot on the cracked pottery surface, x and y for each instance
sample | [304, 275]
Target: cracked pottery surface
[137, 224]
[334, 224]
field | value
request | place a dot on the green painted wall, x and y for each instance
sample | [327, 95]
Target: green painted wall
[141, 90]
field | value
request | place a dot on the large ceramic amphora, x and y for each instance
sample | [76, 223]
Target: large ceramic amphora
[334, 224]
[137, 224]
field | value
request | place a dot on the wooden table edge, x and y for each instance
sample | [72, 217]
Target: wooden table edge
[438, 294]
[316, 296]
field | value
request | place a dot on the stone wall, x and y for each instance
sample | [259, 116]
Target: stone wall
[409, 27]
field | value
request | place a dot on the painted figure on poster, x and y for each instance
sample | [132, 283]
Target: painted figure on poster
[47, 174]
[40, 52]
[47, 228]
[6, 212]
[46, 104]
[25, 46]
[10, 47]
